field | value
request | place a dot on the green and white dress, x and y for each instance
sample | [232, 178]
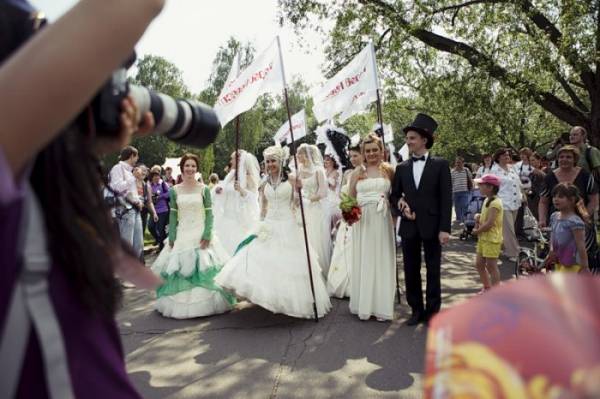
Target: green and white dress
[188, 271]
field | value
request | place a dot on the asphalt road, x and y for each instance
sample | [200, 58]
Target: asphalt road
[251, 353]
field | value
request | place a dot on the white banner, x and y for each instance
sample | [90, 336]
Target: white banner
[299, 126]
[350, 90]
[359, 104]
[234, 72]
[264, 75]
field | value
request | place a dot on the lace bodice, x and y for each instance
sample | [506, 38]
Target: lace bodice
[279, 201]
[190, 210]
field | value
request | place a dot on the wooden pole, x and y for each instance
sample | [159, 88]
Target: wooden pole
[380, 121]
[310, 275]
[237, 147]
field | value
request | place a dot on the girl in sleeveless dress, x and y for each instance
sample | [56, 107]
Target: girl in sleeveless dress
[236, 201]
[373, 253]
[270, 267]
[194, 256]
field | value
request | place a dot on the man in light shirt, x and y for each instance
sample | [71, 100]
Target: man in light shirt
[122, 181]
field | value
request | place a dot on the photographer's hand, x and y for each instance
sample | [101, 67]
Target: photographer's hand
[106, 144]
[131, 269]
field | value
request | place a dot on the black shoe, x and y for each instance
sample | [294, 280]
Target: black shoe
[428, 316]
[415, 319]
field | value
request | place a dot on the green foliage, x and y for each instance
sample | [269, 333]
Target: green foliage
[258, 125]
[491, 72]
[158, 74]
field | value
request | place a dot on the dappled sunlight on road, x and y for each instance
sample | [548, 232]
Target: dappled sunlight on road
[253, 353]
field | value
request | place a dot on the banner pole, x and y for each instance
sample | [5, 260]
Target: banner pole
[237, 126]
[287, 106]
[237, 147]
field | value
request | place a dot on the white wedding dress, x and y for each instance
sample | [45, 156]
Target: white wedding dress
[270, 269]
[373, 253]
[235, 215]
[318, 225]
[338, 279]
[188, 271]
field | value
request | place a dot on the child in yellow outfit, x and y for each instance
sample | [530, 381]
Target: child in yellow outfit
[489, 232]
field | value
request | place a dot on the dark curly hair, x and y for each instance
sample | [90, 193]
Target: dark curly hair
[340, 143]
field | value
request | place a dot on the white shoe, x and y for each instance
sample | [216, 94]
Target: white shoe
[512, 259]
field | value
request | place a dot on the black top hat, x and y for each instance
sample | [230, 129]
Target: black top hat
[425, 125]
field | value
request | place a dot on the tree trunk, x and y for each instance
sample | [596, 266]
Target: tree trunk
[593, 127]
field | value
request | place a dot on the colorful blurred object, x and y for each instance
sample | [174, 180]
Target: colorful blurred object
[536, 338]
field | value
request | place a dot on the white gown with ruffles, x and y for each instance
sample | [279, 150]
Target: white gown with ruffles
[271, 270]
[189, 289]
[235, 216]
[373, 253]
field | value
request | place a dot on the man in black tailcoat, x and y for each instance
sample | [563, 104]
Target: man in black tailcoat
[422, 190]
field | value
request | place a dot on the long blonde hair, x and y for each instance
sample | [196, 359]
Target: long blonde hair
[385, 168]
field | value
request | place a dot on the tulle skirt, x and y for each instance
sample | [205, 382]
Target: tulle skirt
[189, 289]
[270, 270]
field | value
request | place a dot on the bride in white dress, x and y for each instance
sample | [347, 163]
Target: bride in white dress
[314, 194]
[373, 253]
[235, 203]
[194, 256]
[339, 279]
[270, 268]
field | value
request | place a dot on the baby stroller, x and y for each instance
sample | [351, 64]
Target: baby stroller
[474, 208]
[532, 261]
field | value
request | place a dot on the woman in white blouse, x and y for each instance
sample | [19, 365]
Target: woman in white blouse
[510, 194]
[486, 166]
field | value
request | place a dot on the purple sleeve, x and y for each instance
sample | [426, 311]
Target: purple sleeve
[11, 187]
[164, 193]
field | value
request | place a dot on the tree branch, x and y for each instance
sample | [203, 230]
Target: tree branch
[576, 83]
[597, 63]
[555, 36]
[457, 7]
[383, 35]
[571, 93]
[340, 65]
[546, 100]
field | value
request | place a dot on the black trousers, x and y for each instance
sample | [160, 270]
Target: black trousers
[158, 229]
[411, 251]
[144, 214]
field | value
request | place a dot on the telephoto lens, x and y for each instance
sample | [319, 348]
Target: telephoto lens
[183, 121]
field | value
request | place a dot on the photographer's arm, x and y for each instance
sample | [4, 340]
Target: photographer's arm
[208, 219]
[54, 74]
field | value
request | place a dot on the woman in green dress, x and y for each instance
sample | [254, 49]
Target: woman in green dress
[194, 256]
